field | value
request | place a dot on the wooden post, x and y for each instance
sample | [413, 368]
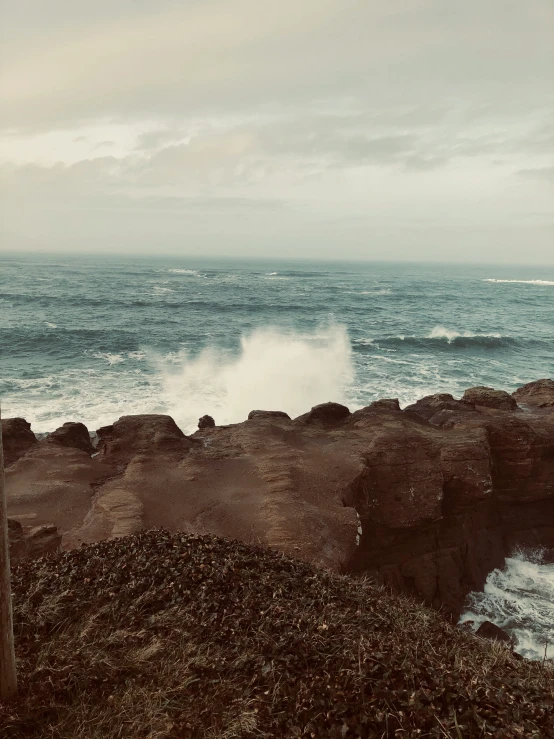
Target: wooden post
[8, 676]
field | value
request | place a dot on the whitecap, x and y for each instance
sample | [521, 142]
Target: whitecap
[440, 332]
[522, 282]
[191, 272]
[159, 290]
[109, 357]
[51, 325]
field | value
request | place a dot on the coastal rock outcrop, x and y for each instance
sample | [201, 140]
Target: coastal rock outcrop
[73, 435]
[539, 393]
[17, 438]
[428, 499]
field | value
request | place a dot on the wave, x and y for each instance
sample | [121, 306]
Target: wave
[522, 282]
[520, 599]
[274, 369]
[441, 338]
[440, 332]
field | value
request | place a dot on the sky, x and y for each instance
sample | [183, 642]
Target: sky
[406, 129]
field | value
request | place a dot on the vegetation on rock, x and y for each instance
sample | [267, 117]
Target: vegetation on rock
[171, 635]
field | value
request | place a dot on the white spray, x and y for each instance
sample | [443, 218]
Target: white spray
[274, 370]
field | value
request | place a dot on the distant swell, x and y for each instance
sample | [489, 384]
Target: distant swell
[522, 282]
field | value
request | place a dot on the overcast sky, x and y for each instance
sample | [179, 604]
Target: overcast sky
[397, 129]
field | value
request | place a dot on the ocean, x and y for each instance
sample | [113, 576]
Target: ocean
[90, 338]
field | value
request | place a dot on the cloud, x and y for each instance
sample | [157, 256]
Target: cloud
[240, 122]
[539, 173]
[167, 59]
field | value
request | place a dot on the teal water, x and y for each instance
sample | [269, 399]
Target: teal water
[92, 338]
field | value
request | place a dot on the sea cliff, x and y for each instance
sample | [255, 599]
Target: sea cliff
[428, 499]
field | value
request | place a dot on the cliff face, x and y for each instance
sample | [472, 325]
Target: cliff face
[442, 490]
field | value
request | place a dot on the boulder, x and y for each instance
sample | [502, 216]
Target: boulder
[430, 406]
[488, 630]
[385, 404]
[326, 414]
[267, 414]
[488, 397]
[539, 393]
[18, 439]
[206, 422]
[74, 435]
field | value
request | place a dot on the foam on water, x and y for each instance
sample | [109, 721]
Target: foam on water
[520, 599]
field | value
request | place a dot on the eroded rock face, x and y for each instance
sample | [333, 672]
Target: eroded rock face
[17, 438]
[539, 393]
[441, 491]
[32, 541]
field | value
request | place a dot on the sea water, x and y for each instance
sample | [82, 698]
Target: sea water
[90, 338]
[520, 599]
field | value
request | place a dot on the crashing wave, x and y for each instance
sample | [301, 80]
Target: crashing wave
[519, 599]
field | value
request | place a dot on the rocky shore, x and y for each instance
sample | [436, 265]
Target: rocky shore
[428, 499]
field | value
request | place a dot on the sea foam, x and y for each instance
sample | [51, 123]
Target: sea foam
[520, 599]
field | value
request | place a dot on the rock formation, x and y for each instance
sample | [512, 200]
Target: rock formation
[18, 439]
[32, 541]
[441, 490]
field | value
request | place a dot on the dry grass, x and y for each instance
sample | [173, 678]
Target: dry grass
[161, 636]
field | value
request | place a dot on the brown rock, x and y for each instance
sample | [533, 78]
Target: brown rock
[488, 630]
[267, 414]
[18, 439]
[326, 413]
[442, 492]
[148, 434]
[432, 405]
[539, 393]
[385, 404]
[206, 422]
[74, 435]
[487, 397]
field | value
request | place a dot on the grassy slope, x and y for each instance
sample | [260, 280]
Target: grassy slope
[160, 635]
